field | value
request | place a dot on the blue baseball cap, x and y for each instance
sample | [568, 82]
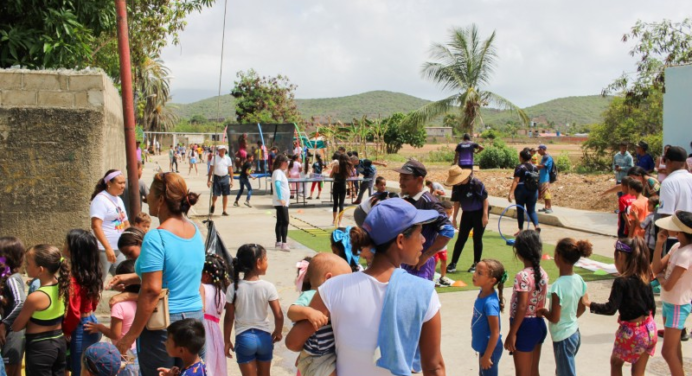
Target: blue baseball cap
[542, 146]
[102, 359]
[391, 217]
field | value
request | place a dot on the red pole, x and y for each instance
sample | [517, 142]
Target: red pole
[128, 107]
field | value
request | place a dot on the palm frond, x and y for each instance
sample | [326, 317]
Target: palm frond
[505, 104]
[431, 111]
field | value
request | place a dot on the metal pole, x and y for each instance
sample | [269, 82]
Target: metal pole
[128, 106]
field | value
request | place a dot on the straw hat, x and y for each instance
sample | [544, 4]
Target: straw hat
[674, 223]
[456, 175]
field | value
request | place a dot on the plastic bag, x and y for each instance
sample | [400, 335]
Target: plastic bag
[215, 245]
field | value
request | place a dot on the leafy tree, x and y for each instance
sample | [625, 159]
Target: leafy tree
[264, 99]
[464, 65]
[198, 119]
[399, 133]
[658, 45]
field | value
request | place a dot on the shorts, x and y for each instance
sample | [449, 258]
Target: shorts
[441, 255]
[193, 160]
[634, 339]
[13, 351]
[675, 315]
[531, 333]
[544, 191]
[254, 344]
[312, 365]
[222, 185]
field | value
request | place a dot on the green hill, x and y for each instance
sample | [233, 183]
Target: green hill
[573, 110]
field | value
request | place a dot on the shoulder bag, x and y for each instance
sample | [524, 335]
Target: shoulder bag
[160, 319]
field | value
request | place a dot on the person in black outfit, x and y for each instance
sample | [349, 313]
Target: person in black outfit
[244, 179]
[633, 298]
[339, 173]
[469, 194]
[526, 196]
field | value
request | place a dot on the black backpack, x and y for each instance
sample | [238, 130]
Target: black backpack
[553, 171]
[531, 178]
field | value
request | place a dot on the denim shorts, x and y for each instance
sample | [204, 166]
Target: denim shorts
[531, 333]
[675, 315]
[254, 344]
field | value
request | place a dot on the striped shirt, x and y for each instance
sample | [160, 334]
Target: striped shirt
[322, 342]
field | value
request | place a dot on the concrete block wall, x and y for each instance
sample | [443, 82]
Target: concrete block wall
[59, 132]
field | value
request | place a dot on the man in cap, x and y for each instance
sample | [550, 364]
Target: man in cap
[436, 233]
[644, 159]
[221, 169]
[544, 168]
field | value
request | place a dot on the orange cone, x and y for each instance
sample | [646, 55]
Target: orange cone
[546, 257]
[458, 284]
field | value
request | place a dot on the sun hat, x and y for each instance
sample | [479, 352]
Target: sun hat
[674, 223]
[221, 147]
[412, 167]
[391, 217]
[456, 175]
[542, 146]
[675, 154]
[102, 359]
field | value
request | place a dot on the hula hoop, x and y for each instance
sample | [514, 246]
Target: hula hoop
[509, 241]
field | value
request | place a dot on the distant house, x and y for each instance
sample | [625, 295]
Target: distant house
[438, 132]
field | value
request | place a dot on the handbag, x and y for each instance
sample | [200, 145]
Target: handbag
[160, 319]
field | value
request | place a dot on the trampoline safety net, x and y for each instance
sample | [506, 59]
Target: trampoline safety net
[279, 135]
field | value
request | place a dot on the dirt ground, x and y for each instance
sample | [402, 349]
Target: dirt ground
[572, 190]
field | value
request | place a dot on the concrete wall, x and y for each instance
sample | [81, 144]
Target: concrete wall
[59, 132]
[677, 112]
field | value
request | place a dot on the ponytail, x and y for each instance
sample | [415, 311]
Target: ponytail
[101, 185]
[245, 262]
[49, 257]
[64, 280]
[529, 247]
[497, 271]
[360, 239]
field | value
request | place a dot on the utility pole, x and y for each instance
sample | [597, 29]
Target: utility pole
[128, 107]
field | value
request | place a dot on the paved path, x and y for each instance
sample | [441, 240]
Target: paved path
[256, 225]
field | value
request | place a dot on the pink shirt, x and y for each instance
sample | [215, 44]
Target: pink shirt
[681, 293]
[125, 311]
[213, 305]
[525, 281]
[295, 170]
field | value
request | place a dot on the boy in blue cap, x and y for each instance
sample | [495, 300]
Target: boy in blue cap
[101, 359]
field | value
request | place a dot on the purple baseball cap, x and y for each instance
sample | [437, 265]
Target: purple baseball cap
[102, 359]
[391, 217]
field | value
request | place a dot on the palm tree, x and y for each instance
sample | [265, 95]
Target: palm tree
[153, 89]
[463, 65]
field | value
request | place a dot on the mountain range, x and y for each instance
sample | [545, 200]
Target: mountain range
[374, 104]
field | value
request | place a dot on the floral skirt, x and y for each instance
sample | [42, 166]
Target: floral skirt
[634, 339]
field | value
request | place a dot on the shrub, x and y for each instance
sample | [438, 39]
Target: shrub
[564, 164]
[442, 154]
[498, 157]
[489, 134]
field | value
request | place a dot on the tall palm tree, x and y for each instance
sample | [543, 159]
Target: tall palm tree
[153, 88]
[464, 64]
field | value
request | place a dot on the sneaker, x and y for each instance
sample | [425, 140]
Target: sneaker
[452, 268]
[660, 333]
[235, 204]
[277, 245]
[684, 336]
[318, 197]
[542, 210]
[212, 209]
[247, 203]
[444, 281]
[224, 214]
[285, 247]
[437, 283]
[548, 211]
[292, 197]
[357, 202]
[472, 269]
[309, 198]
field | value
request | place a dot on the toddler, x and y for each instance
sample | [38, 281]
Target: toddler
[341, 246]
[566, 304]
[215, 281]
[318, 357]
[486, 339]
[143, 221]
[635, 339]
[185, 341]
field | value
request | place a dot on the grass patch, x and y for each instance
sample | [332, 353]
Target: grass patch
[493, 247]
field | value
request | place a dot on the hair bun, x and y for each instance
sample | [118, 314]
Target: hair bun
[585, 248]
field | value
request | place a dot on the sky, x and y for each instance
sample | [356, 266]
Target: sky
[546, 49]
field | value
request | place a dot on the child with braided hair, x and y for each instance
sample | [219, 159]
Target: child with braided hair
[215, 281]
[486, 339]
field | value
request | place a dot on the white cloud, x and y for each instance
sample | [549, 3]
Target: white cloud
[546, 48]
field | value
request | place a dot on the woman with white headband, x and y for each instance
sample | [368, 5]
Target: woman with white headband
[109, 219]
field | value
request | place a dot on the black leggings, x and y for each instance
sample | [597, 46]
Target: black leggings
[45, 354]
[338, 197]
[281, 228]
[470, 220]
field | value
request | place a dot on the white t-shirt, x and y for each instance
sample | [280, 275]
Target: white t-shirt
[681, 293]
[355, 303]
[298, 150]
[111, 210]
[252, 305]
[676, 192]
[278, 175]
[221, 165]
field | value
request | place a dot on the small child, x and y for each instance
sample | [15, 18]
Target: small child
[215, 281]
[44, 310]
[436, 189]
[143, 221]
[294, 168]
[441, 255]
[527, 331]
[566, 304]
[341, 246]
[486, 338]
[649, 227]
[185, 341]
[638, 209]
[122, 317]
[318, 357]
[676, 284]
[244, 180]
[317, 168]
[101, 359]
[624, 203]
[248, 302]
[635, 339]
[14, 295]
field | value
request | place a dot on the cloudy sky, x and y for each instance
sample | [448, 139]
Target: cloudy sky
[546, 48]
